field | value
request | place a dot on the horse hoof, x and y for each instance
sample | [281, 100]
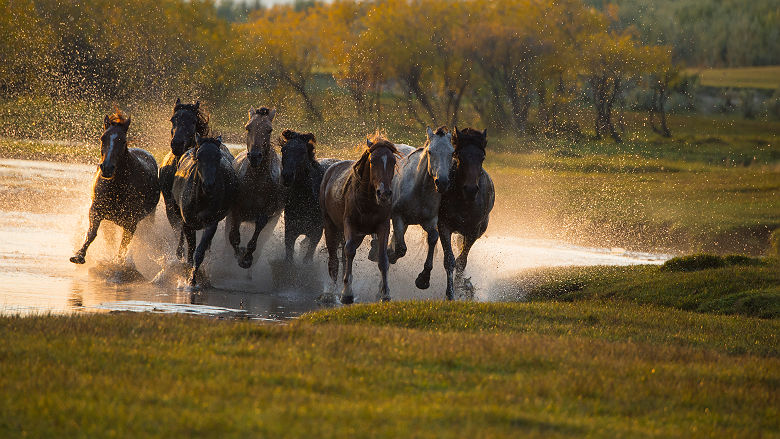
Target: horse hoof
[78, 259]
[245, 262]
[327, 298]
[346, 300]
[423, 282]
[385, 299]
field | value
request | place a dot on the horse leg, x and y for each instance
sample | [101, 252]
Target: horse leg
[234, 234]
[372, 251]
[314, 239]
[200, 252]
[423, 280]
[332, 242]
[460, 263]
[94, 223]
[180, 246]
[246, 261]
[189, 234]
[353, 241]
[127, 236]
[449, 258]
[290, 236]
[383, 262]
[397, 244]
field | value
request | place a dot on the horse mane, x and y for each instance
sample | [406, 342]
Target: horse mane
[441, 131]
[117, 118]
[469, 136]
[202, 118]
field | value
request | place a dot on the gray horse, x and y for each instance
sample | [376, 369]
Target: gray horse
[261, 194]
[424, 176]
[125, 189]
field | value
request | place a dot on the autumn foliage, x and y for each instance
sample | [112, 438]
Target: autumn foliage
[522, 65]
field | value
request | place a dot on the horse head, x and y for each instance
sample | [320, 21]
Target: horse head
[438, 152]
[258, 134]
[187, 121]
[298, 152]
[467, 159]
[376, 167]
[208, 156]
[113, 143]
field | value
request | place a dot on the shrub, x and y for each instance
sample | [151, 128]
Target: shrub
[694, 263]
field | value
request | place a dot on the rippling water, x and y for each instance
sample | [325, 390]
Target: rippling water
[43, 218]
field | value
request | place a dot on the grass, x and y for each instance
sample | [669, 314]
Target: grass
[735, 285]
[741, 77]
[421, 369]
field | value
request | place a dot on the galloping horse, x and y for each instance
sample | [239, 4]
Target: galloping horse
[417, 195]
[355, 199]
[125, 189]
[260, 192]
[188, 120]
[466, 205]
[302, 175]
[203, 188]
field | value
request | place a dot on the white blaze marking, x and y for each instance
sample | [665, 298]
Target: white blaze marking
[110, 147]
[384, 160]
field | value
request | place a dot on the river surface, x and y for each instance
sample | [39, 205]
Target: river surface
[43, 219]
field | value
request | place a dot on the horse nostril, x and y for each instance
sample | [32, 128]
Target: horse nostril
[378, 193]
[389, 194]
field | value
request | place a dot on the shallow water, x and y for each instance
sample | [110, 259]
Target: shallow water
[43, 218]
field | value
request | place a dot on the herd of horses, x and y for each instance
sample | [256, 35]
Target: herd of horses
[440, 186]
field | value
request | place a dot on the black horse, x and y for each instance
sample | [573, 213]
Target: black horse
[187, 122]
[203, 187]
[466, 205]
[302, 175]
[125, 189]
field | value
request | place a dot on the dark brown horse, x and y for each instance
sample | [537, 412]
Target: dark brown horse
[203, 188]
[302, 174]
[355, 199]
[125, 189]
[260, 192]
[466, 205]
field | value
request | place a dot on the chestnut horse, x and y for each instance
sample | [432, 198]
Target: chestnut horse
[355, 200]
[466, 205]
[125, 189]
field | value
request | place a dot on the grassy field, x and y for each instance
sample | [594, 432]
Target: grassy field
[740, 77]
[420, 369]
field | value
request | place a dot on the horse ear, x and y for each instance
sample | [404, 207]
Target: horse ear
[197, 104]
[484, 133]
[197, 138]
[219, 138]
[251, 111]
[106, 123]
[449, 136]
[310, 138]
[368, 143]
[429, 132]
[126, 124]
[288, 134]
[271, 114]
[178, 101]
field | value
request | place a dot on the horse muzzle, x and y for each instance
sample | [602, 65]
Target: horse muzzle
[107, 172]
[384, 197]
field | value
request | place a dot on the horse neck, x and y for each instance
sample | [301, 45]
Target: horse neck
[422, 178]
